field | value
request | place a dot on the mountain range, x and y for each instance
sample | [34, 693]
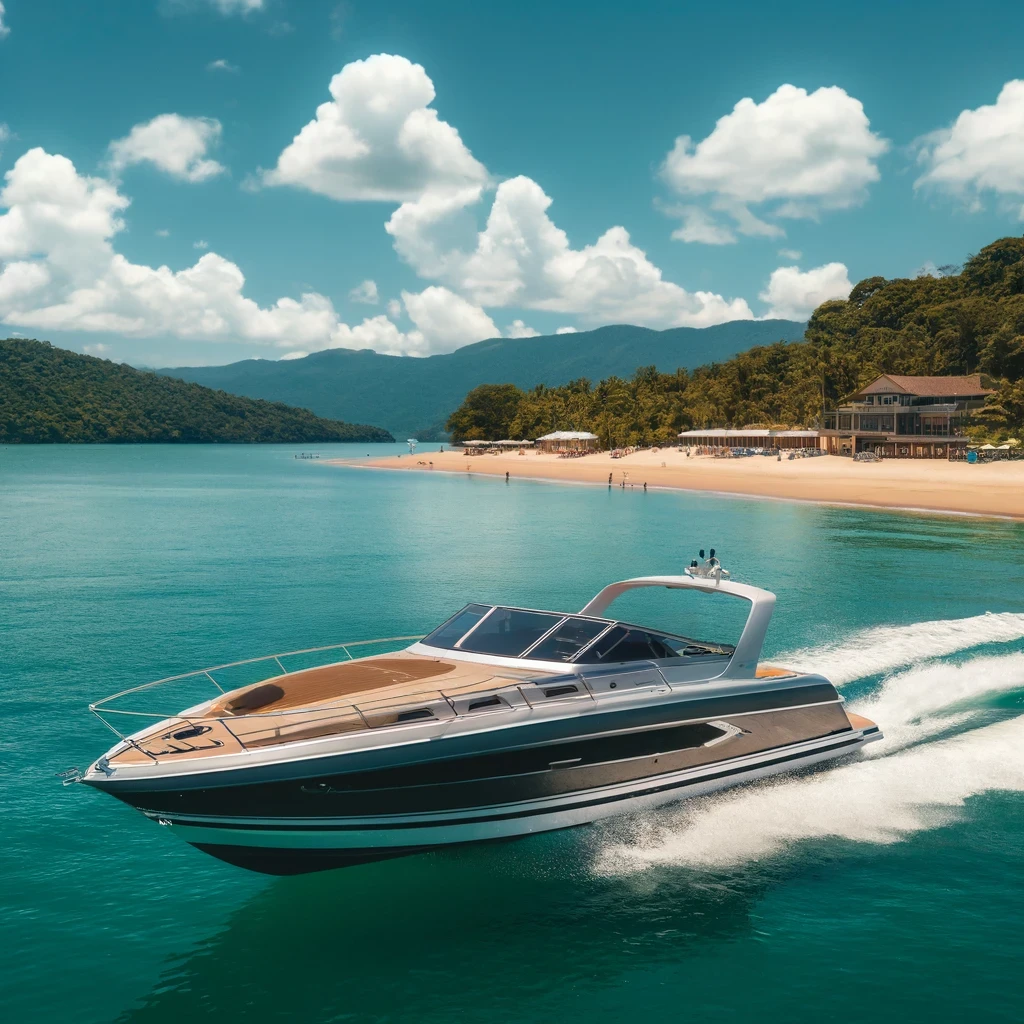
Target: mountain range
[414, 397]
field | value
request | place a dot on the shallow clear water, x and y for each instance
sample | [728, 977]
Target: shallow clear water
[887, 889]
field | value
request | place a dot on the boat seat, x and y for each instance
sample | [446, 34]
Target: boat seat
[252, 699]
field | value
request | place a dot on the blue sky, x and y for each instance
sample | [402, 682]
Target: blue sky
[490, 168]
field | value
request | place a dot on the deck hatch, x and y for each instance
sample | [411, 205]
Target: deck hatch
[484, 702]
[550, 691]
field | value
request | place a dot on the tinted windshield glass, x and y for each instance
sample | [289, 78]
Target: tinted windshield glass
[451, 632]
[508, 632]
[570, 637]
[622, 644]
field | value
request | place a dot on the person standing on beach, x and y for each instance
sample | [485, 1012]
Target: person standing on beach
[609, 479]
[506, 476]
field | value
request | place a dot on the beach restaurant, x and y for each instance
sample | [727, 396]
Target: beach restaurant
[897, 416]
[749, 437]
[568, 441]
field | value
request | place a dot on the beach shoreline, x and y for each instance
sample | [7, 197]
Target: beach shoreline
[991, 490]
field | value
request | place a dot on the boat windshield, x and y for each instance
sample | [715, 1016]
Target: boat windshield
[548, 636]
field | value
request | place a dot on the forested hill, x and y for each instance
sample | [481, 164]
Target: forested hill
[967, 321]
[50, 395]
[409, 396]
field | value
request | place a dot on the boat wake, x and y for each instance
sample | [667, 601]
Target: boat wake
[884, 648]
[940, 748]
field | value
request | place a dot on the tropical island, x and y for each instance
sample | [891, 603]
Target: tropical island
[958, 323]
[963, 323]
[49, 395]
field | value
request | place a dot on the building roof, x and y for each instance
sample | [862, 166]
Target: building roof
[753, 432]
[927, 387]
[568, 435]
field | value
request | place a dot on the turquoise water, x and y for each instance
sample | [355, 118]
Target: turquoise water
[885, 890]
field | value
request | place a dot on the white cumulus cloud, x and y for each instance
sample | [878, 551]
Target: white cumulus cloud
[237, 6]
[176, 145]
[793, 294]
[797, 154]
[365, 292]
[699, 226]
[4, 30]
[444, 321]
[982, 152]
[222, 65]
[378, 138]
[59, 271]
[567, 330]
[521, 258]
[518, 329]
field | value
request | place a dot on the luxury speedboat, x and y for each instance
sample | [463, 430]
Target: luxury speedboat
[502, 722]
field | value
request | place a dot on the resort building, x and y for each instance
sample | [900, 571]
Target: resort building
[750, 438]
[905, 417]
[568, 440]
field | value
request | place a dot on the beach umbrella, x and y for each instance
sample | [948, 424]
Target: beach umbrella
[988, 448]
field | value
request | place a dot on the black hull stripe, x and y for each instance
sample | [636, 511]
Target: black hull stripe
[508, 816]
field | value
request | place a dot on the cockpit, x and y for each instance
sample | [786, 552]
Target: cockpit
[548, 636]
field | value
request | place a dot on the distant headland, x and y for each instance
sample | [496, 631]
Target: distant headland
[51, 396]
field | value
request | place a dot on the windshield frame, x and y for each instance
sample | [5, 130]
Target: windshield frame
[709, 647]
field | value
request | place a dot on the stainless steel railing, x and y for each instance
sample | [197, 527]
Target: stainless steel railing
[257, 670]
[251, 730]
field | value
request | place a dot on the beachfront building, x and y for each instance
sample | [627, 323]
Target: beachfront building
[748, 437]
[568, 441]
[905, 417]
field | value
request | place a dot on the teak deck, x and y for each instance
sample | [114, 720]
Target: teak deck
[270, 712]
[317, 702]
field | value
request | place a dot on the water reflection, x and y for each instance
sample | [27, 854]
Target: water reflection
[481, 933]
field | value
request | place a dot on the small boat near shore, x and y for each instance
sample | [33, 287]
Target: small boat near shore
[502, 722]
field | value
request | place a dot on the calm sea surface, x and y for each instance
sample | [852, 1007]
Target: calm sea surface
[890, 889]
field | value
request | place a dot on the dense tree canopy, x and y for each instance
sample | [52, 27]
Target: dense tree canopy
[485, 413]
[955, 323]
[51, 395]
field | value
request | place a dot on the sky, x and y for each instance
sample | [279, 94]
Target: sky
[191, 182]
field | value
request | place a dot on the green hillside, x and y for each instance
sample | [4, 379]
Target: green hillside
[414, 396]
[966, 322]
[48, 395]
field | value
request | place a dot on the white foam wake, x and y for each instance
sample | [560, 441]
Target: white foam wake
[878, 800]
[932, 698]
[883, 648]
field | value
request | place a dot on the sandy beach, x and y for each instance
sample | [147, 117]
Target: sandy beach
[994, 489]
